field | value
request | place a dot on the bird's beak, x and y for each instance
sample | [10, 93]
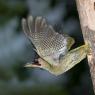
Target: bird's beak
[32, 65]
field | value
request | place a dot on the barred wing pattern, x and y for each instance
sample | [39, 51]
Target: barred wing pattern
[48, 43]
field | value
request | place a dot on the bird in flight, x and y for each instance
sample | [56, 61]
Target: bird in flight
[52, 47]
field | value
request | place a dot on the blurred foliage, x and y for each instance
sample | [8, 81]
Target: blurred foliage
[10, 9]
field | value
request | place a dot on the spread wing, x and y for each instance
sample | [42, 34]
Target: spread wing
[45, 39]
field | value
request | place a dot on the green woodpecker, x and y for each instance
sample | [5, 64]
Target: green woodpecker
[52, 47]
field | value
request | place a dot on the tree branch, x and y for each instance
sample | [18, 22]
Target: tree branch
[86, 9]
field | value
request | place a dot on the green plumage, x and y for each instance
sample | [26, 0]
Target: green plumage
[52, 47]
